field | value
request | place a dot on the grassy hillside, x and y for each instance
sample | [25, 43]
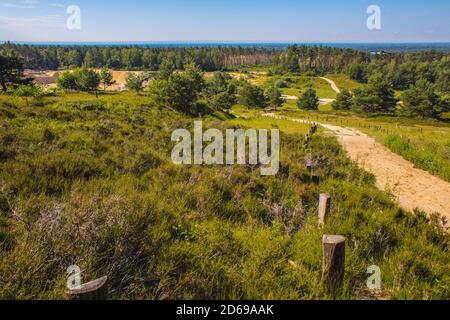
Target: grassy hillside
[89, 182]
[344, 82]
[297, 84]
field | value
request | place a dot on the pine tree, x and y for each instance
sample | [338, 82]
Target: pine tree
[308, 100]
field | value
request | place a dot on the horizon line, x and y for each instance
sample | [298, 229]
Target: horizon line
[232, 42]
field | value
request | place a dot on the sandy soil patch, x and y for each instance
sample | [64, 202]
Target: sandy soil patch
[48, 78]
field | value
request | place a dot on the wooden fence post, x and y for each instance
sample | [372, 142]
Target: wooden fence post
[315, 178]
[333, 262]
[324, 208]
[309, 166]
[94, 290]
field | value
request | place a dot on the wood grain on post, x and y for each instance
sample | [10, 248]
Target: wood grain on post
[333, 262]
[94, 290]
[324, 208]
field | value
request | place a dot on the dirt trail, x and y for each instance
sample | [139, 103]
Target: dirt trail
[323, 100]
[333, 84]
[413, 188]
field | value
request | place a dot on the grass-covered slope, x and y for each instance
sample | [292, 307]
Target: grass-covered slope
[90, 182]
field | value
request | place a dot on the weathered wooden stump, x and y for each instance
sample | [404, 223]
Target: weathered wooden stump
[94, 290]
[324, 208]
[333, 268]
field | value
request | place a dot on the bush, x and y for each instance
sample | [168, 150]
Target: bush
[181, 91]
[421, 100]
[274, 97]
[81, 79]
[377, 98]
[252, 96]
[280, 84]
[343, 101]
[67, 81]
[28, 91]
[308, 100]
[134, 82]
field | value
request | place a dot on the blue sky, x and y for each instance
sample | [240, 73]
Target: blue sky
[226, 20]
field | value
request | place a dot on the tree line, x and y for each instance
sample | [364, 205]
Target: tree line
[422, 77]
[136, 58]
[402, 69]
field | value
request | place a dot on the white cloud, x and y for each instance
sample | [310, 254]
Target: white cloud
[21, 4]
[18, 5]
[58, 5]
[48, 21]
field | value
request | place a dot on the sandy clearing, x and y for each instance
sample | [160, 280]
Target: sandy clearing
[43, 77]
[286, 97]
[120, 78]
[48, 78]
[413, 188]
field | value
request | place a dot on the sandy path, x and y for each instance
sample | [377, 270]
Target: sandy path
[413, 188]
[323, 100]
[333, 84]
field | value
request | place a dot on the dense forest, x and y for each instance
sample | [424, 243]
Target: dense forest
[136, 58]
[410, 84]
[402, 69]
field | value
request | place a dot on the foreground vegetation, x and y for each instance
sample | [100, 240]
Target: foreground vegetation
[88, 181]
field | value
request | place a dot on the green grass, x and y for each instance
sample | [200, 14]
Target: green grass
[297, 85]
[267, 123]
[344, 82]
[90, 182]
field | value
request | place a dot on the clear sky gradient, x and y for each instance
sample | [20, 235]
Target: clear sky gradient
[225, 20]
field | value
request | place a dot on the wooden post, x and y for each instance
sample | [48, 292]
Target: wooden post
[324, 208]
[309, 166]
[94, 290]
[315, 178]
[333, 262]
